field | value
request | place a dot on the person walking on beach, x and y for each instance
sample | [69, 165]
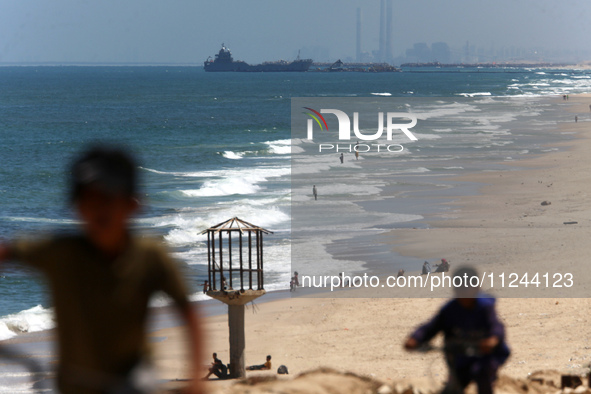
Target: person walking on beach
[357, 151]
[295, 281]
[576, 119]
[342, 158]
[102, 278]
[475, 345]
[315, 192]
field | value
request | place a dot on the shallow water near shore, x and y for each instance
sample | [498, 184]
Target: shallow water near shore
[364, 197]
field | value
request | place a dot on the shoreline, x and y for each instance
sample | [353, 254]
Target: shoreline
[450, 189]
[510, 206]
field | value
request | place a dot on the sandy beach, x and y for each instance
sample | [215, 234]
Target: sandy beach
[505, 225]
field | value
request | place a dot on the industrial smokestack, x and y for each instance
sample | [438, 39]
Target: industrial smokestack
[388, 31]
[382, 51]
[358, 43]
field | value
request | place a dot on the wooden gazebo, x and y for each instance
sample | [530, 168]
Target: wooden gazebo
[234, 263]
[235, 276]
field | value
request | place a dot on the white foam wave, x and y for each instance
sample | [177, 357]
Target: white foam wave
[475, 94]
[382, 94]
[232, 155]
[39, 220]
[225, 187]
[425, 136]
[232, 181]
[448, 110]
[417, 170]
[188, 226]
[283, 147]
[29, 320]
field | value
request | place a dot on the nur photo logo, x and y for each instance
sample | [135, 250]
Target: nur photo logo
[388, 123]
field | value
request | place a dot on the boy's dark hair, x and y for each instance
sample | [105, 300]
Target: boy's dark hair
[469, 287]
[107, 168]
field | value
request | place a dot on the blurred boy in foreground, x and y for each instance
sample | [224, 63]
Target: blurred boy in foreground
[475, 345]
[101, 281]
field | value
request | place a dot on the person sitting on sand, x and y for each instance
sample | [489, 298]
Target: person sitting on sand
[426, 268]
[217, 368]
[443, 267]
[265, 366]
[475, 345]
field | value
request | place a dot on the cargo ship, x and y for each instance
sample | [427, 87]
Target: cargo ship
[224, 62]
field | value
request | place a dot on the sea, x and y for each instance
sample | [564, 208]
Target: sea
[212, 146]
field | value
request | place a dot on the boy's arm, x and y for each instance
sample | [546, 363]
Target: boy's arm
[496, 327]
[194, 332]
[425, 332]
[496, 333]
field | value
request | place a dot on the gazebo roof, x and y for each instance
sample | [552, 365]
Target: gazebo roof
[236, 224]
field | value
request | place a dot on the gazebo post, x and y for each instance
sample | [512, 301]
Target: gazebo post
[230, 258]
[208, 260]
[241, 264]
[249, 260]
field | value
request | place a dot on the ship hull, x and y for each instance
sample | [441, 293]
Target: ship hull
[295, 66]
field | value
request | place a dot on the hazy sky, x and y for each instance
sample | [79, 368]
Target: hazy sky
[187, 31]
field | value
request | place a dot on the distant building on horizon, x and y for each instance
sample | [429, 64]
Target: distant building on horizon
[358, 37]
[384, 52]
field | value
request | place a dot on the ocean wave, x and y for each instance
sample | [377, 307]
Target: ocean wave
[283, 147]
[228, 182]
[224, 187]
[444, 110]
[30, 320]
[237, 182]
[28, 219]
[475, 94]
[425, 136]
[188, 226]
[382, 94]
[232, 155]
[415, 170]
